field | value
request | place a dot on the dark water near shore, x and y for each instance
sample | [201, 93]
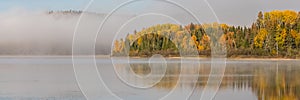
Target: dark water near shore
[54, 79]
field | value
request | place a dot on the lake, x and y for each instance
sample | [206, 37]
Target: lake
[53, 78]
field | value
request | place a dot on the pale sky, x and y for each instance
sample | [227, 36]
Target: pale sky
[234, 12]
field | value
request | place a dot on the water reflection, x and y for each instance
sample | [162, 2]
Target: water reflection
[268, 80]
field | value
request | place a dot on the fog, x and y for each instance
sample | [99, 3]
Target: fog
[40, 32]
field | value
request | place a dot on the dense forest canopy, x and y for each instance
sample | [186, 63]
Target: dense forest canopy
[273, 34]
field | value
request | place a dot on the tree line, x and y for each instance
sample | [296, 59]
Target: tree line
[273, 34]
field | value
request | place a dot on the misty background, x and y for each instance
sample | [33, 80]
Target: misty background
[27, 28]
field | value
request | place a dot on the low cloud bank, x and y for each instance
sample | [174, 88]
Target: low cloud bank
[39, 33]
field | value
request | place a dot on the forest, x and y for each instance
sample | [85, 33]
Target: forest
[273, 34]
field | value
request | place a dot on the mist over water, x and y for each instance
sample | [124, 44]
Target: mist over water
[43, 33]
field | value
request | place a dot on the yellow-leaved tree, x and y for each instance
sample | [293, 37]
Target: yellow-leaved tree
[259, 39]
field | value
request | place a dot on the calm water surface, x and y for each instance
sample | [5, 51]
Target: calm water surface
[53, 79]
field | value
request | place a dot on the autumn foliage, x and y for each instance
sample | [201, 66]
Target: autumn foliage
[273, 34]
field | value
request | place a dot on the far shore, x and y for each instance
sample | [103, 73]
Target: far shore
[137, 57]
[230, 58]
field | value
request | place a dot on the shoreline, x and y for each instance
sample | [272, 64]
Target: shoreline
[137, 57]
[230, 58]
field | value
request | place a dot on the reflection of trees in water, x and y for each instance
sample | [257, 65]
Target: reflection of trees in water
[169, 80]
[281, 85]
[265, 82]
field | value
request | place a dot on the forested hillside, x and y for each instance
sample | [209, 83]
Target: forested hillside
[273, 34]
